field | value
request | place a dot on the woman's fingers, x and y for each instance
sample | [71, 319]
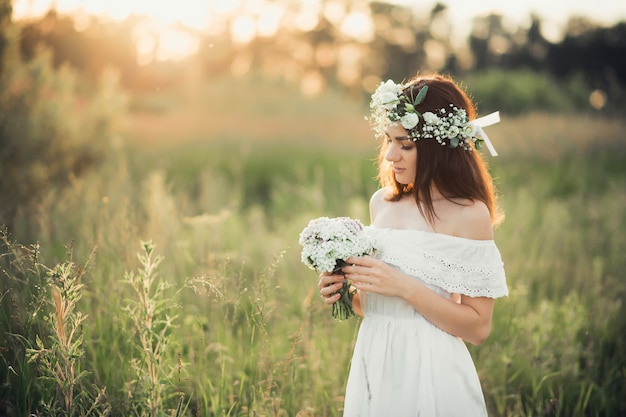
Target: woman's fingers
[329, 284]
[363, 281]
[327, 279]
[362, 260]
[356, 272]
[331, 299]
[330, 289]
[362, 265]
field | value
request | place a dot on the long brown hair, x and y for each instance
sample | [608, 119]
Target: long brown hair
[457, 173]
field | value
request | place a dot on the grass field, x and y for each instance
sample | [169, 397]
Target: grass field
[217, 316]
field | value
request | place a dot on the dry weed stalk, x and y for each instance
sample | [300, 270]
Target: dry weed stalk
[151, 314]
[59, 358]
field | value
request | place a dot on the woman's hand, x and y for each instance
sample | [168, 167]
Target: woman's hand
[469, 320]
[372, 275]
[328, 285]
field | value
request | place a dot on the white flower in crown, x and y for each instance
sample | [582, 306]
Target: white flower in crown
[469, 130]
[387, 95]
[389, 87]
[388, 101]
[453, 132]
[409, 120]
[431, 118]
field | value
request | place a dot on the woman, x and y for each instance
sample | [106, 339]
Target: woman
[433, 282]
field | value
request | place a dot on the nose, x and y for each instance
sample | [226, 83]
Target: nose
[392, 154]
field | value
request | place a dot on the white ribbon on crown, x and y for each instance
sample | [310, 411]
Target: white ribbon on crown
[485, 121]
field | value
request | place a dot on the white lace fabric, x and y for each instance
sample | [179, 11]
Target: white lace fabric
[456, 265]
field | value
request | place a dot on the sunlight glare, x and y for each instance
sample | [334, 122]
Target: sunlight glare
[552, 31]
[255, 7]
[334, 11]
[192, 14]
[308, 17]
[243, 29]
[358, 25]
[269, 20]
[165, 32]
[146, 47]
[176, 44]
[435, 54]
[28, 8]
[225, 7]
[162, 42]
[264, 18]
[82, 21]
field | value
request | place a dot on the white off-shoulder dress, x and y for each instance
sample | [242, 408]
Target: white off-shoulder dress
[404, 366]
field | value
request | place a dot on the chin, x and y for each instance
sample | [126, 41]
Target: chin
[402, 181]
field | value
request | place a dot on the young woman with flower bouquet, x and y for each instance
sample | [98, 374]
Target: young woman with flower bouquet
[432, 282]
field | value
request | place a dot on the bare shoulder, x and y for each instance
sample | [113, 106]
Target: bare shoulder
[474, 221]
[379, 195]
[376, 202]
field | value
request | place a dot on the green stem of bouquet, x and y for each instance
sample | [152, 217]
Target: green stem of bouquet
[342, 308]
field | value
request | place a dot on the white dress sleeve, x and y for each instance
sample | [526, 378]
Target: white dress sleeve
[470, 267]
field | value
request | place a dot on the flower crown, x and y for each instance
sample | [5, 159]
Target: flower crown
[390, 103]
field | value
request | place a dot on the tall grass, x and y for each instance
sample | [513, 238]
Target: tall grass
[233, 324]
[56, 350]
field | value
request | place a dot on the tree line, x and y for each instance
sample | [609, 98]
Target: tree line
[402, 43]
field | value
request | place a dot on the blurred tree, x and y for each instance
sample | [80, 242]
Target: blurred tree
[590, 56]
[5, 29]
[529, 48]
[598, 53]
[112, 41]
[399, 42]
[489, 41]
[50, 134]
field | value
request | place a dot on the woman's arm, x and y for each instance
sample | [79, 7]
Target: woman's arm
[469, 320]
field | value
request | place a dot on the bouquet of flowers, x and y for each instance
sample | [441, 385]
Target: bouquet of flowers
[326, 244]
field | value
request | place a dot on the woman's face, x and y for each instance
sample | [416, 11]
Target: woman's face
[401, 153]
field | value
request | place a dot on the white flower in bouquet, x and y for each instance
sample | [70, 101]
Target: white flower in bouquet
[326, 244]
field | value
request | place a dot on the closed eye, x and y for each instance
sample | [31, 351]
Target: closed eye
[400, 138]
[407, 143]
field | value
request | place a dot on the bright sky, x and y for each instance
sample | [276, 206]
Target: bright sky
[604, 11]
[552, 12]
[161, 36]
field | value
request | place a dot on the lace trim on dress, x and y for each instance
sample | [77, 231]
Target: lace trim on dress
[471, 268]
[454, 277]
